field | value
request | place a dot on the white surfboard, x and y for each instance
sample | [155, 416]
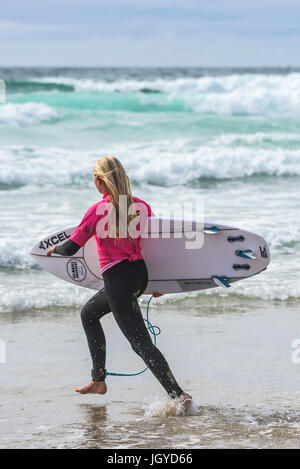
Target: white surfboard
[227, 255]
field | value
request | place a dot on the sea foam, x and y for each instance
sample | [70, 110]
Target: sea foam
[26, 114]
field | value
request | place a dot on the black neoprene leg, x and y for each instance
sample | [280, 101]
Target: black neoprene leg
[122, 282]
[91, 314]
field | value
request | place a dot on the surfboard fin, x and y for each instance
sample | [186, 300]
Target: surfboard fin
[247, 254]
[232, 239]
[241, 266]
[211, 230]
[221, 281]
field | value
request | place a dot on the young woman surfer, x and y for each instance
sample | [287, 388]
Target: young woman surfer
[124, 274]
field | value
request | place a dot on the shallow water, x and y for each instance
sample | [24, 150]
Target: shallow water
[236, 364]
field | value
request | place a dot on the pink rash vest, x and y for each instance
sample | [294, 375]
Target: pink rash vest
[110, 250]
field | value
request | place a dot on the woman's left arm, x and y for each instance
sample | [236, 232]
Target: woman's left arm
[155, 293]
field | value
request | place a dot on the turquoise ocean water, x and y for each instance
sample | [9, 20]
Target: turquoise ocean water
[227, 137]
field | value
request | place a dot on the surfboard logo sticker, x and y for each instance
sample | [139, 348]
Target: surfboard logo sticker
[263, 252]
[58, 238]
[76, 270]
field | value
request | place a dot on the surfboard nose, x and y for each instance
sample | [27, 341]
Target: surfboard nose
[36, 250]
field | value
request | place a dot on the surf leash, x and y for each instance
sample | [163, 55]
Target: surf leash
[154, 330]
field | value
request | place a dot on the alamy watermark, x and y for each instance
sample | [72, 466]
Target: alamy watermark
[295, 357]
[2, 342]
[170, 221]
[2, 351]
[2, 92]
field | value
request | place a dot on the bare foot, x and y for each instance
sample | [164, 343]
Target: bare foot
[185, 402]
[94, 387]
[156, 294]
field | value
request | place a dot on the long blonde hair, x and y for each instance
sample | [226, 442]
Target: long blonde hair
[111, 171]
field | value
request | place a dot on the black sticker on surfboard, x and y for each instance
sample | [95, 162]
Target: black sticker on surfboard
[263, 252]
[47, 243]
[76, 270]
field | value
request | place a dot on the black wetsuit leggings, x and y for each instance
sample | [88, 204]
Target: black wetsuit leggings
[123, 283]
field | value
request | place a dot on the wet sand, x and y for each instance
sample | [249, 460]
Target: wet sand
[234, 358]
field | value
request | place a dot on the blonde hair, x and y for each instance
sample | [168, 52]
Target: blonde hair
[111, 171]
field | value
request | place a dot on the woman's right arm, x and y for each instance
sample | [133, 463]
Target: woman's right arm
[68, 248]
[84, 231]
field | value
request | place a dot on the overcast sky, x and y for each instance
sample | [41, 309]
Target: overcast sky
[150, 33]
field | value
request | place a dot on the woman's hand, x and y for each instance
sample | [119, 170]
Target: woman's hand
[50, 251]
[156, 294]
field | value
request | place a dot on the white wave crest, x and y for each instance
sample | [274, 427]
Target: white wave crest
[256, 94]
[39, 294]
[163, 163]
[36, 166]
[165, 167]
[15, 254]
[26, 114]
[256, 138]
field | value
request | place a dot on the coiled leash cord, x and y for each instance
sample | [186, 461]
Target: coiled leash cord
[154, 330]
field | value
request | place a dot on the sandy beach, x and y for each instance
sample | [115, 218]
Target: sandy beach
[236, 364]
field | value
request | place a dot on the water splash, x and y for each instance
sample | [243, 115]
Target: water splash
[169, 408]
